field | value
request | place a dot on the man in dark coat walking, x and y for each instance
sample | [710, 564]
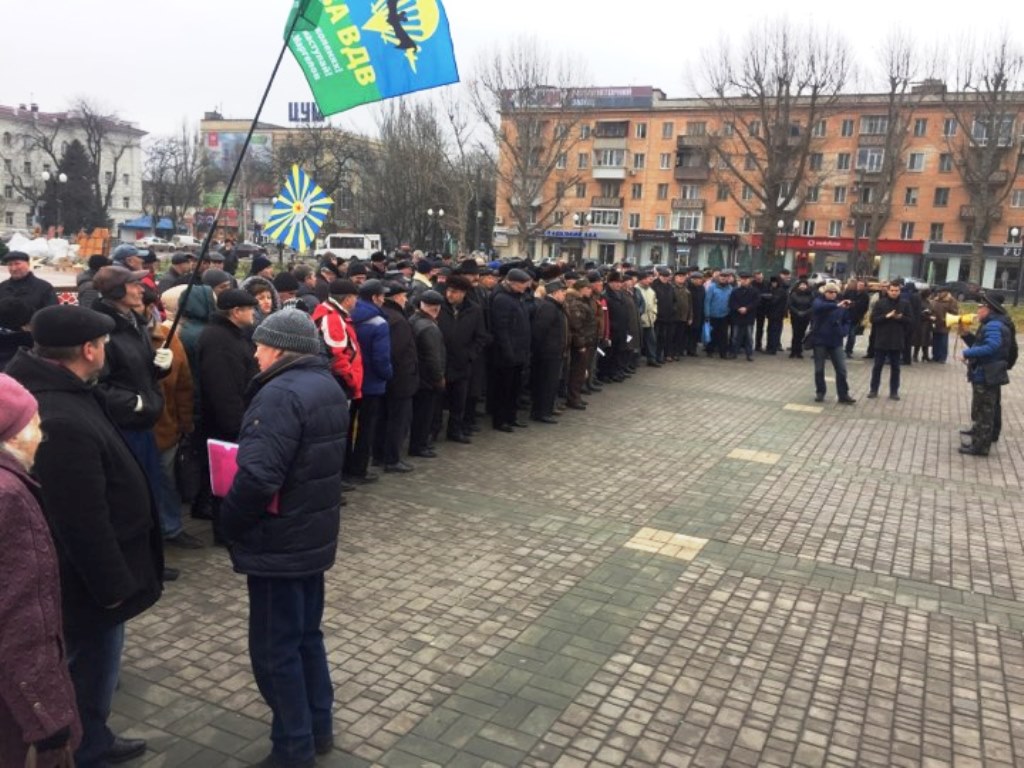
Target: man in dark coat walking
[291, 450]
[396, 415]
[465, 338]
[98, 503]
[890, 320]
[550, 345]
[510, 331]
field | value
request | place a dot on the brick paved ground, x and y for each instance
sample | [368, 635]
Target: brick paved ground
[705, 568]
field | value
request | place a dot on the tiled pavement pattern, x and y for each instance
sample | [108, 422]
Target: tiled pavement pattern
[851, 592]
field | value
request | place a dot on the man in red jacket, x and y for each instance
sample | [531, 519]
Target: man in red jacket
[333, 320]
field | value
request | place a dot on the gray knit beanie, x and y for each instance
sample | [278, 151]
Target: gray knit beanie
[289, 329]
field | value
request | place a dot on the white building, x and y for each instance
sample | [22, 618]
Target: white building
[32, 142]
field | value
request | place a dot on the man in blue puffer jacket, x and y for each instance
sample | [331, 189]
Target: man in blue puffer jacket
[291, 449]
[375, 344]
[830, 324]
[987, 358]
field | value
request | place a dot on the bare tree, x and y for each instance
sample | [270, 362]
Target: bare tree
[875, 187]
[173, 182]
[42, 137]
[985, 105]
[531, 109]
[101, 147]
[769, 97]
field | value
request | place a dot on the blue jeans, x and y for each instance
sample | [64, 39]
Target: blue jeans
[838, 357]
[289, 662]
[94, 660]
[167, 498]
[742, 338]
[940, 347]
[893, 356]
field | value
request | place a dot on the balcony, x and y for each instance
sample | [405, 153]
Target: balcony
[967, 213]
[618, 129]
[693, 142]
[610, 143]
[609, 172]
[688, 204]
[871, 140]
[606, 202]
[692, 173]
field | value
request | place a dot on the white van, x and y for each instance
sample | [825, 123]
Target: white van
[349, 244]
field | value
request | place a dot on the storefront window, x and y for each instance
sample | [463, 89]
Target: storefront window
[1007, 274]
[716, 257]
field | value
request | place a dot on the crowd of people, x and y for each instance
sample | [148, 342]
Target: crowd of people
[325, 377]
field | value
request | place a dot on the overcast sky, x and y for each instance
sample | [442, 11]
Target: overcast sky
[157, 63]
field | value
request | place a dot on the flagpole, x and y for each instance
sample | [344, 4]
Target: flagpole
[231, 181]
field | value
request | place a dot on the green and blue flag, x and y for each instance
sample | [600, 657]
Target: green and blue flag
[363, 51]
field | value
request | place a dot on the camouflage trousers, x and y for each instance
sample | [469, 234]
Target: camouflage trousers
[984, 401]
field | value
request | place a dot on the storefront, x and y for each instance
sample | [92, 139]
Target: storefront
[651, 246]
[581, 245]
[683, 247]
[844, 257]
[952, 261]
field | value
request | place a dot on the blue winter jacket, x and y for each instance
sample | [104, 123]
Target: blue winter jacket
[375, 344]
[293, 444]
[991, 344]
[716, 300]
[829, 323]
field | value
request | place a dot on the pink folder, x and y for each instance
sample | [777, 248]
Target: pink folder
[223, 468]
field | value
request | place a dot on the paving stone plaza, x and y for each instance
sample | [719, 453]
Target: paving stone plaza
[704, 568]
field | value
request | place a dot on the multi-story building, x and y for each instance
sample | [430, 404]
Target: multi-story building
[25, 134]
[649, 179]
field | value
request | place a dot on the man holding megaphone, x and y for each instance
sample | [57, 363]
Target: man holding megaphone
[988, 360]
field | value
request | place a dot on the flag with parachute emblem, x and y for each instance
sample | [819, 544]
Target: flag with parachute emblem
[299, 211]
[362, 51]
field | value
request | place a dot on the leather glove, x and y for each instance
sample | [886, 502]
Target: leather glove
[163, 359]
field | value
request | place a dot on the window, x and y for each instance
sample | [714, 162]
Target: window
[719, 224]
[668, 130]
[847, 128]
[641, 130]
[949, 127]
[748, 163]
[28, 220]
[941, 197]
[945, 162]
[1017, 198]
[610, 158]
[907, 230]
[696, 128]
[915, 162]
[819, 129]
[581, 189]
[921, 126]
[531, 217]
[936, 231]
[9, 192]
[559, 218]
[745, 224]
[870, 158]
[816, 160]
[722, 193]
[561, 131]
[125, 179]
[639, 160]
[636, 191]
[688, 220]
[785, 189]
[9, 218]
[108, 176]
[839, 194]
[728, 128]
[7, 165]
[634, 221]
[666, 161]
[843, 161]
[747, 193]
[659, 221]
[27, 168]
[755, 127]
[46, 166]
[663, 191]
[874, 125]
[835, 228]
[585, 131]
[561, 161]
[812, 193]
[998, 128]
[583, 161]
[126, 202]
[7, 143]
[689, 191]
[611, 188]
[603, 218]
[808, 227]
[910, 196]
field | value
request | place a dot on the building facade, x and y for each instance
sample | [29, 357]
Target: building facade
[24, 130]
[644, 181]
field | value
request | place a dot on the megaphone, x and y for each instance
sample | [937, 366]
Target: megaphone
[952, 321]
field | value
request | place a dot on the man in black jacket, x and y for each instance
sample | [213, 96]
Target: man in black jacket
[25, 286]
[99, 505]
[226, 367]
[743, 307]
[462, 325]
[860, 301]
[550, 345]
[664, 323]
[890, 318]
[396, 414]
[281, 520]
[696, 328]
[510, 330]
[430, 354]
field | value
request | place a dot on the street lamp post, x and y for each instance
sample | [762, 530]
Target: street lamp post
[476, 229]
[781, 226]
[582, 221]
[61, 179]
[1015, 238]
[435, 223]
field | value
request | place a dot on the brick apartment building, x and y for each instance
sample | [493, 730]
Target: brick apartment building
[641, 182]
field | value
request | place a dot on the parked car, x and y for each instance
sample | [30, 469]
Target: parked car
[919, 282]
[820, 278]
[963, 290]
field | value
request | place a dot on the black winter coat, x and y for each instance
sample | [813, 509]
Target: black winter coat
[11, 342]
[860, 302]
[31, 291]
[666, 294]
[430, 351]
[890, 332]
[550, 330]
[129, 372]
[96, 499]
[293, 444]
[465, 338]
[226, 368]
[510, 328]
[619, 310]
[697, 302]
[800, 303]
[748, 297]
[405, 376]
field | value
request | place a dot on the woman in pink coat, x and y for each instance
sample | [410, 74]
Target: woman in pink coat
[37, 700]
